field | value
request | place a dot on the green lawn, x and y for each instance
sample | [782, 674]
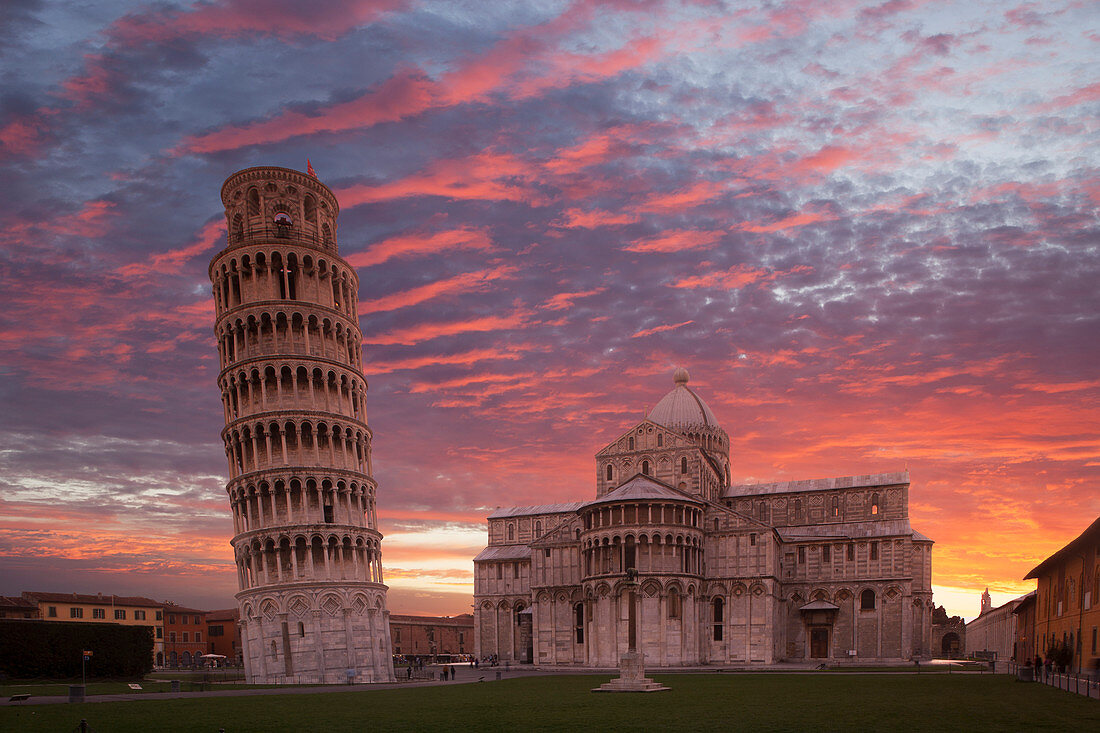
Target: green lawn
[697, 702]
[49, 689]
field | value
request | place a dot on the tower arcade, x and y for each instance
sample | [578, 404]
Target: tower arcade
[306, 539]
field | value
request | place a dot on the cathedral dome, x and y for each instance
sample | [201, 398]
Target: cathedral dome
[682, 407]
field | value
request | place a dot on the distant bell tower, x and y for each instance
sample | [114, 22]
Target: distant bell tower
[306, 539]
[987, 602]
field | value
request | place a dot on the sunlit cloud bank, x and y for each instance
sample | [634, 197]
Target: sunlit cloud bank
[868, 229]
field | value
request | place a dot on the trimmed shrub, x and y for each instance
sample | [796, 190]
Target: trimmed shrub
[35, 648]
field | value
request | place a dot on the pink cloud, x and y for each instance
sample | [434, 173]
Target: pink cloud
[677, 240]
[789, 222]
[658, 329]
[562, 301]
[593, 219]
[422, 332]
[464, 283]
[169, 262]
[420, 244]
[731, 279]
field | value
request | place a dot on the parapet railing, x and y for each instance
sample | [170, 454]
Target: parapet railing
[1082, 683]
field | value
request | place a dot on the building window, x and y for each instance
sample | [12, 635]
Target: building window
[610, 472]
[578, 623]
[120, 614]
[538, 528]
[52, 612]
[160, 615]
[99, 613]
[329, 517]
[874, 551]
[139, 615]
[218, 630]
[674, 603]
[630, 443]
[185, 636]
[500, 570]
[867, 600]
[683, 464]
[874, 504]
[515, 570]
[718, 607]
[172, 637]
[851, 551]
[160, 633]
[825, 553]
[645, 467]
[801, 555]
[546, 552]
[76, 613]
[172, 618]
[660, 440]
[752, 539]
[511, 533]
[198, 636]
[834, 504]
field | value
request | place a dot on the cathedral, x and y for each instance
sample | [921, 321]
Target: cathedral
[821, 569]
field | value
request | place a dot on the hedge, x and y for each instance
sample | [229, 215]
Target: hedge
[35, 649]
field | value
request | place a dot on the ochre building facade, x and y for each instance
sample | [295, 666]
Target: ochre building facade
[825, 569]
[306, 543]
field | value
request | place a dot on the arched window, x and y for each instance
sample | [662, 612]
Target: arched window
[538, 528]
[253, 206]
[309, 207]
[834, 505]
[578, 623]
[511, 532]
[610, 472]
[630, 443]
[645, 467]
[874, 504]
[674, 603]
[683, 464]
[718, 606]
[797, 507]
[867, 600]
[660, 439]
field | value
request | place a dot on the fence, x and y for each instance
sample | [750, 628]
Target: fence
[1081, 684]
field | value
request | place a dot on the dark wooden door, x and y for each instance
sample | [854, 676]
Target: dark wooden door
[819, 643]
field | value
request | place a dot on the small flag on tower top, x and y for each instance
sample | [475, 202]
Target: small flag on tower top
[309, 168]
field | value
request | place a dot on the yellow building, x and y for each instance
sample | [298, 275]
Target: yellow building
[100, 608]
[1067, 609]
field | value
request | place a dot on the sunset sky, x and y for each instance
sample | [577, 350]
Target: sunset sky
[868, 229]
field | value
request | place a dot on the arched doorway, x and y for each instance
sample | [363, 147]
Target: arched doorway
[950, 645]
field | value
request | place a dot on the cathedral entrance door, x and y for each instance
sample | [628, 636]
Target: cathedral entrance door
[819, 642]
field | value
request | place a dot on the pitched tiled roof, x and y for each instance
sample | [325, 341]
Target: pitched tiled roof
[38, 596]
[643, 488]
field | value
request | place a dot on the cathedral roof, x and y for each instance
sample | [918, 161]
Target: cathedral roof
[528, 511]
[820, 484]
[849, 530]
[682, 407]
[642, 488]
[504, 552]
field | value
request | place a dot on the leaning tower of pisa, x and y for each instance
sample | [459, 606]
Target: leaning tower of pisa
[306, 540]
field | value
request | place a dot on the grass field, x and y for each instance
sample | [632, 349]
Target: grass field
[47, 689]
[756, 702]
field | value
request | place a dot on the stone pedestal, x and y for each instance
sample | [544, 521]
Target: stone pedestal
[631, 677]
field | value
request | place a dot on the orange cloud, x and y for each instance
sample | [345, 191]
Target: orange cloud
[592, 219]
[686, 198]
[169, 262]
